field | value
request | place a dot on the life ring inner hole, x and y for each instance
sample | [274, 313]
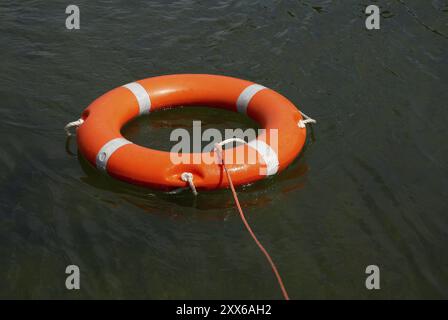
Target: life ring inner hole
[157, 129]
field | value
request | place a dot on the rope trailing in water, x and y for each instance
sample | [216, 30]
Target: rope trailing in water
[218, 147]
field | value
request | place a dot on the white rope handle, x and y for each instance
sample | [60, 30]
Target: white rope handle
[72, 124]
[302, 123]
[188, 177]
[218, 146]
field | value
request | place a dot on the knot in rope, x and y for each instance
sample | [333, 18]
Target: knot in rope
[188, 177]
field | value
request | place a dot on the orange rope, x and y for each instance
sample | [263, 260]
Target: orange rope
[246, 224]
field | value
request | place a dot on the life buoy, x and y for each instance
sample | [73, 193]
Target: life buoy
[101, 143]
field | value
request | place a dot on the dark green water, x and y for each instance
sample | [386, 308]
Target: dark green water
[371, 186]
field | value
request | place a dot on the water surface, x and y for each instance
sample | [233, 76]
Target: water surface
[371, 186]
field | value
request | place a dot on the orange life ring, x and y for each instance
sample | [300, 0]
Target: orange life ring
[101, 143]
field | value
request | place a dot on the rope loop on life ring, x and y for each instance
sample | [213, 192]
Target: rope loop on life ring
[302, 122]
[73, 124]
[188, 177]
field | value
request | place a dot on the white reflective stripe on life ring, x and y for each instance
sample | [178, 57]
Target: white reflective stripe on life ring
[246, 96]
[107, 150]
[142, 96]
[268, 154]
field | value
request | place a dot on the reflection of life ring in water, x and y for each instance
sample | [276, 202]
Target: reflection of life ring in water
[210, 205]
[101, 143]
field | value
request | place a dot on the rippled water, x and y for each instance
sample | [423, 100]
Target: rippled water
[371, 186]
